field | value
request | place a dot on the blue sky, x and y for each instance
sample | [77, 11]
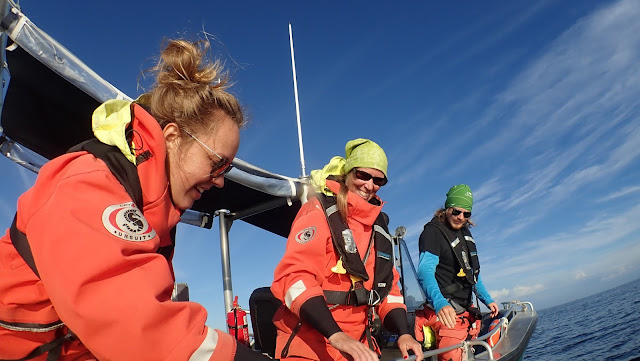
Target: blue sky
[533, 104]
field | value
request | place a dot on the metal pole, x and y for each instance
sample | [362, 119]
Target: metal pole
[399, 234]
[295, 92]
[404, 281]
[225, 260]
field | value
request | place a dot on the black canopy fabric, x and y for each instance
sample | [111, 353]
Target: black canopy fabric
[43, 111]
[48, 113]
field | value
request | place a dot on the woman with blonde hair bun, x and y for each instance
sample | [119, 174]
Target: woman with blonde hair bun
[86, 271]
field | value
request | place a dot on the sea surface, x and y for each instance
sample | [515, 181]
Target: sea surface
[605, 326]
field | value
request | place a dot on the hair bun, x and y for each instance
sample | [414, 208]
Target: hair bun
[190, 86]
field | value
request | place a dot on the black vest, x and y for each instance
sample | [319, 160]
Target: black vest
[345, 246]
[459, 280]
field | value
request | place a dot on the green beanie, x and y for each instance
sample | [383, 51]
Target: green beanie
[459, 196]
[365, 153]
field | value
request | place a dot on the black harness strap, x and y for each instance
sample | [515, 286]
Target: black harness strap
[125, 171]
[21, 244]
[340, 298]
[285, 349]
[371, 341]
[53, 348]
[452, 288]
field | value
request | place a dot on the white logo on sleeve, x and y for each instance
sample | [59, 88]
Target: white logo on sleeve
[306, 235]
[127, 222]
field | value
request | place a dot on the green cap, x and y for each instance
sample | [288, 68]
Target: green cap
[365, 153]
[459, 196]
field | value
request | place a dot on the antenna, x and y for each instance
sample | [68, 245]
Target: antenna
[295, 91]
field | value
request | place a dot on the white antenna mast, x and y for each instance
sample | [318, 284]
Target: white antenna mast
[295, 91]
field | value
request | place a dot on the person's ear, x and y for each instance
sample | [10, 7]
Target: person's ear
[171, 133]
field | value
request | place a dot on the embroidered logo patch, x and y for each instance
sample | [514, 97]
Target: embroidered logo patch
[306, 235]
[127, 222]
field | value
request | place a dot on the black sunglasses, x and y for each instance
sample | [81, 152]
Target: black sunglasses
[362, 175]
[456, 212]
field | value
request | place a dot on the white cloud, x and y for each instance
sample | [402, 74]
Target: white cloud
[555, 107]
[621, 193]
[500, 294]
[602, 252]
[487, 194]
[415, 229]
[520, 291]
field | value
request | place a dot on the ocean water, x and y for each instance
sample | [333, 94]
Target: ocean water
[605, 326]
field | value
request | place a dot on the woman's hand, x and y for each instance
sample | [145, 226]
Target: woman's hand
[356, 349]
[406, 343]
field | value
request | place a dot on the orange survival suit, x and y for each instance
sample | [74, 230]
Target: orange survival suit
[305, 272]
[101, 275]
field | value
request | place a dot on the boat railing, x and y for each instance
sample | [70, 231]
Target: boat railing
[512, 307]
[464, 344]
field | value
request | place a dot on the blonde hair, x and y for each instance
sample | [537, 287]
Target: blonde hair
[341, 197]
[189, 88]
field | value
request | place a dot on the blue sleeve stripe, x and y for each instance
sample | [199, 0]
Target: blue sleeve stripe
[483, 295]
[427, 278]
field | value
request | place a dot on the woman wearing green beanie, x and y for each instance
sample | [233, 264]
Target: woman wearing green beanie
[449, 272]
[338, 266]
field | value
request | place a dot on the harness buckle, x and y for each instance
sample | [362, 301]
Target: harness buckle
[372, 294]
[359, 291]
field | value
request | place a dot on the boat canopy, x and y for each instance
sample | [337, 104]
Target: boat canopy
[49, 95]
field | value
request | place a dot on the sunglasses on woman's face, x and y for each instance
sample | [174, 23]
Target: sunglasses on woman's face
[364, 176]
[456, 212]
[218, 168]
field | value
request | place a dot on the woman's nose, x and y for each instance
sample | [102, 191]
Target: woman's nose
[218, 181]
[370, 186]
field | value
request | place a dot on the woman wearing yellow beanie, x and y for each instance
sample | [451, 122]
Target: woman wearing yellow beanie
[338, 266]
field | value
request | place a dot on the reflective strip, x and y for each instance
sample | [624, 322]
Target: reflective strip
[31, 327]
[395, 299]
[204, 352]
[22, 20]
[293, 189]
[381, 230]
[469, 239]
[293, 292]
[331, 210]
[455, 242]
